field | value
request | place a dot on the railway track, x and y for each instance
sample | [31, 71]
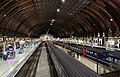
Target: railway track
[67, 66]
[29, 68]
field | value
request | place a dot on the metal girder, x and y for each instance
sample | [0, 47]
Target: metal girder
[84, 17]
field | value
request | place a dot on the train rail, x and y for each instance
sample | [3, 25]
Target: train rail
[67, 66]
[105, 57]
[29, 68]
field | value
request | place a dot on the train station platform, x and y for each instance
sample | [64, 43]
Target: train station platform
[10, 68]
[43, 66]
[89, 63]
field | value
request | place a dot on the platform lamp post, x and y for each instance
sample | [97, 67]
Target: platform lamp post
[92, 40]
[14, 45]
[30, 39]
[28, 35]
[98, 39]
[14, 39]
[97, 62]
[104, 40]
[4, 43]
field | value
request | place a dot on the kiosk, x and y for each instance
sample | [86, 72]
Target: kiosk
[9, 48]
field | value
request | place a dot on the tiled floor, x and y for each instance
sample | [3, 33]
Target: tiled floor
[9, 68]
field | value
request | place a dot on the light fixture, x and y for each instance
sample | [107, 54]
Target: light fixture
[71, 13]
[50, 23]
[53, 20]
[58, 10]
[5, 15]
[111, 19]
[63, 1]
[103, 34]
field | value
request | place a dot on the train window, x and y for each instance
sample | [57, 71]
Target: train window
[87, 51]
[115, 60]
[110, 59]
[107, 59]
[118, 61]
[92, 52]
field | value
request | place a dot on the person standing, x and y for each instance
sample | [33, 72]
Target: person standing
[5, 55]
[21, 42]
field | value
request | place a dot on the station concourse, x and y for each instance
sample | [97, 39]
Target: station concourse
[59, 38]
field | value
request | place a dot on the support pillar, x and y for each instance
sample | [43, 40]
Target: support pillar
[14, 46]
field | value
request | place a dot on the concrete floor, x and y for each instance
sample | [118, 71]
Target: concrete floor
[43, 66]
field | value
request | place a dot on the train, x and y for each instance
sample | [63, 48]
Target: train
[66, 66]
[103, 56]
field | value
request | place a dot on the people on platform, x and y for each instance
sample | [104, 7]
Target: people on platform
[10, 48]
[5, 55]
[21, 42]
[9, 51]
